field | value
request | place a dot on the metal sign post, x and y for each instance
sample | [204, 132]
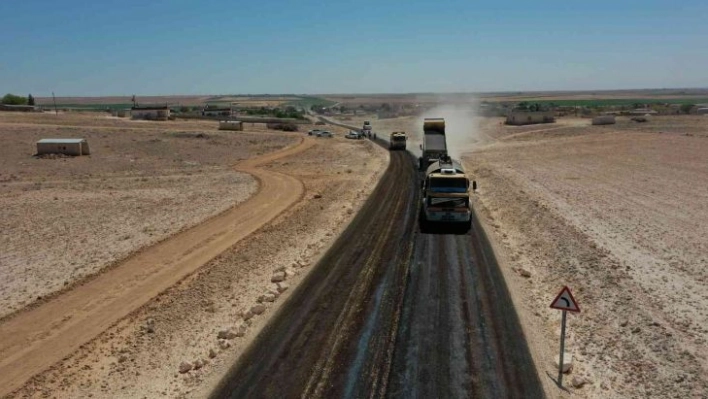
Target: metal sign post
[565, 302]
[562, 351]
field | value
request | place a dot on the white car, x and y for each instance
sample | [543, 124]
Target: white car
[353, 135]
[314, 132]
[324, 133]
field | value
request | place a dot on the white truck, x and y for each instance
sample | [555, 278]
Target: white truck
[446, 195]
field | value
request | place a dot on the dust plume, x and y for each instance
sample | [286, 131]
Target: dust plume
[461, 125]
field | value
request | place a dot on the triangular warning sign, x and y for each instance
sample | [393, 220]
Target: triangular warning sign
[565, 301]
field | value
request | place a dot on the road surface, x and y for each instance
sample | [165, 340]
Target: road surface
[392, 312]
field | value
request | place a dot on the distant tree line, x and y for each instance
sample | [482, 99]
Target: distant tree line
[12, 99]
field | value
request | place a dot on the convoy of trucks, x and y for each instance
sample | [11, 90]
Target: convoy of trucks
[397, 141]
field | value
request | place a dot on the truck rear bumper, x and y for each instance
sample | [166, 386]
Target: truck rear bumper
[448, 217]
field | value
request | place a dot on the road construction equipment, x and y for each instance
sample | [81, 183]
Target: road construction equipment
[397, 141]
[446, 194]
[434, 146]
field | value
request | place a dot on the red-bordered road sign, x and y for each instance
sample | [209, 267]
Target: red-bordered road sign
[565, 301]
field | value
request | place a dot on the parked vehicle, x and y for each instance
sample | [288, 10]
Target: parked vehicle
[324, 133]
[313, 132]
[353, 135]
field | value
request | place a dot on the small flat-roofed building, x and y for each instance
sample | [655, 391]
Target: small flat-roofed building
[527, 117]
[159, 113]
[63, 146]
[231, 125]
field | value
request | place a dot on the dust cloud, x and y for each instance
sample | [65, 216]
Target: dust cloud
[461, 125]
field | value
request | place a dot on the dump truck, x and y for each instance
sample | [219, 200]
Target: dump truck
[434, 145]
[446, 195]
[397, 141]
[366, 128]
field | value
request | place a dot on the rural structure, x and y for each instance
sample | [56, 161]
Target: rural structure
[231, 125]
[520, 116]
[156, 113]
[75, 147]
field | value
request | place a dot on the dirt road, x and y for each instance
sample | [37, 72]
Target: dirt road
[33, 340]
[393, 312]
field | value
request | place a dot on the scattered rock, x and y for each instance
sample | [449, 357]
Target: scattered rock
[277, 277]
[198, 364]
[269, 297]
[247, 315]
[122, 358]
[258, 309]
[289, 273]
[241, 329]
[226, 334]
[524, 273]
[578, 382]
[636, 330]
[212, 353]
[317, 196]
[567, 362]
[282, 287]
[185, 367]
[624, 323]
[150, 325]
[224, 344]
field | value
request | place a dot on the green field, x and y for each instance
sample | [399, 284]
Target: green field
[615, 102]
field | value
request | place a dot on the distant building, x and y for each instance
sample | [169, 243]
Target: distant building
[702, 111]
[63, 146]
[643, 111]
[158, 113]
[519, 116]
[230, 125]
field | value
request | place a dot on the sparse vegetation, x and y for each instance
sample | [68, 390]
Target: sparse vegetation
[11, 99]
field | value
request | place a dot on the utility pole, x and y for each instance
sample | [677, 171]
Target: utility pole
[56, 111]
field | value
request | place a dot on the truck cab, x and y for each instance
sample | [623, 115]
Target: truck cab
[446, 196]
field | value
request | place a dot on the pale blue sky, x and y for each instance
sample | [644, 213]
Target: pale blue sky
[157, 47]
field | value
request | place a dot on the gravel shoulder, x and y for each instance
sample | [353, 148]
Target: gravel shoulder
[618, 213]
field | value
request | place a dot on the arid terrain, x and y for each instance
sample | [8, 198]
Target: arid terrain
[175, 174]
[618, 213]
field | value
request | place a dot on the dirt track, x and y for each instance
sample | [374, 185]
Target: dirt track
[33, 340]
[392, 312]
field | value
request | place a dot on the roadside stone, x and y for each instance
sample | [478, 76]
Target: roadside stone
[282, 287]
[226, 334]
[241, 329]
[247, 315]
[274, 290]
[150, 325]
[277, 277]
[212, 353]
[224, 344]
[567, 362]
[578, 382]
[184, 367]
[198, 364]
[524, 273]
[317, 196]
[269, 297]
[258, 309]
[635, 330]
[624, 323]
[289, 273]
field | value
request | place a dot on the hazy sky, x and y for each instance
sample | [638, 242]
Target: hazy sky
[217, 46]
